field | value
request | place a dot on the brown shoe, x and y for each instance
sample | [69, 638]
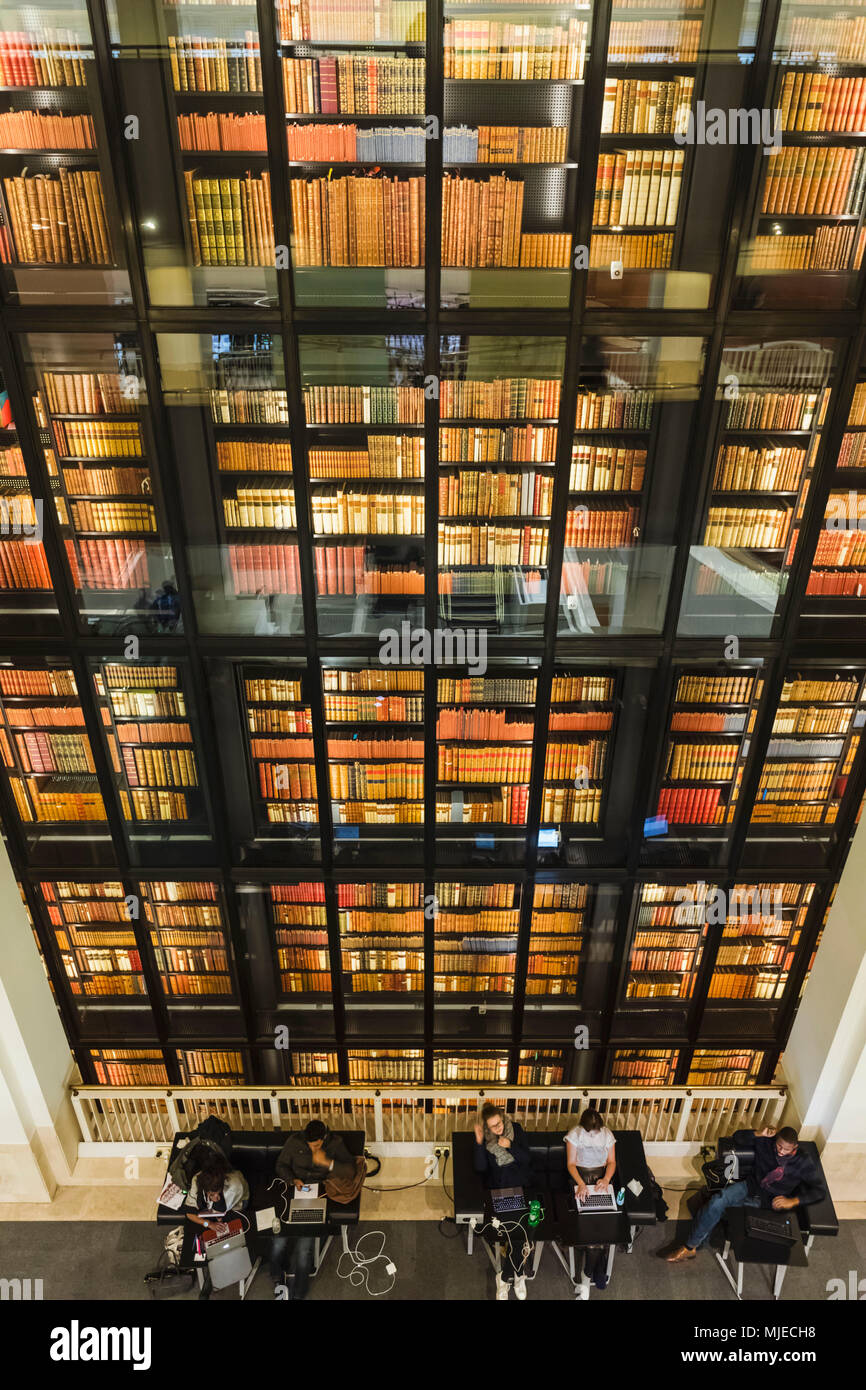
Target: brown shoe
[682, 1252]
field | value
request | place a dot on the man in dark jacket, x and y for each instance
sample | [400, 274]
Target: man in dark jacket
[307, 1157]
[782, 1177]
[502, 1155]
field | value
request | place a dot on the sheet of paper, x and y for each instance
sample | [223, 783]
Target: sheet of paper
[306, 1194]
[171, 1196]
[264, 1219]
[635, 1187]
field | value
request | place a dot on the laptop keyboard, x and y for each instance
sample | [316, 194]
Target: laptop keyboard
[300, 1215]
[508, 1204]
[596, 1200]
[761, 1225]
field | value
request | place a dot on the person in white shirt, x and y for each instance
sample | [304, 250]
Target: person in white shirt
[591, 1159]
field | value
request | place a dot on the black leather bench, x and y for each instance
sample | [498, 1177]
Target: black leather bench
[817, 1219]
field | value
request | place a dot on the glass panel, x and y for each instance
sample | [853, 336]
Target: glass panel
[354, 93]
[126, 1066]
[26, 600]
[740, 1068]
[514, 83]
[804, 235]
[386, 1065]
[639, 1066]
[281, 759]
[668, 935]
[763, 924]
[364, 403]
[382, 947]
[189, 935]
[475, 953]
[472, 1067]
[200, 179]
[93, 926]
[211, 1067]
[576, 763]
[771, 402]
[61, 238]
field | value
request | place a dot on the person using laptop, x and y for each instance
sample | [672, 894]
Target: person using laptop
[314, 1155]
[782, 1177]
[591, 1161]
[217, 1193]
[502, 1157]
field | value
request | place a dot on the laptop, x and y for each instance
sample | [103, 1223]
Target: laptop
[228, 1260]
[508, 1199]
[769, 1225]
[312, 1212]
[596, 1201]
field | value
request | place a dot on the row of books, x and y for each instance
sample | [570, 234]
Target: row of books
[482, 49]
[495, 764]
[355, 84]
[58, 221]
[348, 143]
[481, 221]
[24, 565]
[817, 101]
[113, 516]
[230, 220]
[804, 748]
[486, 920]
[604, 468]
[86, 393]
[567, 760]
[638, 188]
[385, 456]
[341, 570]
[473, 984]
[377, 781]
[287, 781]
[709, 762]
[44, 805]
[508, 806]
[303, 981]
[730, 984]
[841, 548]
[486, 493]
[654, 41]
[207, 64]
[638, 106]
[358, 221]
[592, 528]
[258, 507]
[222, 130]
[49, 752]
[363, 982]
[53, 59]
[408, 709]
[107, 482]
[254, 456]
[614, 410]
[501, 144]
[340, 513]
[365, 405]
[159, 767]
[794, 780]
[753, 953]
[35, 130]
[708, 723]
[689, 805]
[812, 721]
[652, 252]
[570, 805]
[402, 21]
[829, 248]
[249, 407]
[740, 468]
[827, 181]
[852, 453]
[515, 444]
[772, 410]
[769, 813]
[717, 690]
[139, 804]
[380, 895]
[486, 724]
[837, 585]
[473, 690]
[97, 438]
[835, 690]
[506, 398]
[559, 895]
[111, 564]
[808, 38]
[659, 989]
[264, 569]
[492, 545]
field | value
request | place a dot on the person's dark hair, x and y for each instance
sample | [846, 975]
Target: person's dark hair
[787, 1135]
[213, 1177]
[591, 1120]
[489, 1110]
[315, 1130]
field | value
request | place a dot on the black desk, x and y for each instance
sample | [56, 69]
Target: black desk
[191, 1230]
[334, 1222]
[583, 1228]
[547, 1231]
[750, 1250]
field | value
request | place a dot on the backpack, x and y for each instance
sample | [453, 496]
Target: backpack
[210, 1137]
[661, 1205]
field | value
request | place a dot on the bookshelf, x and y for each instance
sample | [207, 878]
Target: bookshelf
[280, 753]
[299, 923]
[381, 943]
[808, 195]
[667, 941]
[46, 751]
[92, 416]
[388, 1065]
[580, 725]
[471, 1068]
[211, 1067]
[760, 937]
[60, 230]
[712, 717]
[95, 938]
[129, 1066]
[188, 933]
[364, 416]
[475, 943]
[556, 941]
[315, 1069]
[541, 1066]
[26, 588]
[499, 402]
[724, 1068]
[636, 1066]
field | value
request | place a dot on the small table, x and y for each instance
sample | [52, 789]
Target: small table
[751, 1250]
[539, 1235]
[584, 1228]
[191, 1230]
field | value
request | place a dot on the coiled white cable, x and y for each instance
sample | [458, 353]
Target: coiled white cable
[358, 1274]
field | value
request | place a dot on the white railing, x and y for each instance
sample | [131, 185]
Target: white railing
[422, 1115]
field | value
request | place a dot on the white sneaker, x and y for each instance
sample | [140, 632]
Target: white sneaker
[582, 1292]
[520, 1287]
[501, 1289]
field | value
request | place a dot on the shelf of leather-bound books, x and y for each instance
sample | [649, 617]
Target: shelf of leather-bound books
[771, 403]
[475, 933]
[188, 931]
[470, 1068]
[498, 408]
[642, 1066]
[60, 232]
[807, 220]
[128, 1066]
[577, 758]
[50, 768]
[299, 927]
[725, 1068]
[761, 934]
[382, 954]
[314, 1069]
[201, 178]
[228, 417]
[149, 729]
[484, 731]
[836, 586]
[210, 1066]
[668, 933]
[557, 939]
[660, 210]
[540, 1067]
[513, 99]
[93, 928]
[374, 727]
[712, 719]
[390, 1065]
[813, 748]
[94, 430]
[27, 601]
[280, 755]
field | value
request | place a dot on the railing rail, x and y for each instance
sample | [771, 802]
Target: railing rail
[420, 1115]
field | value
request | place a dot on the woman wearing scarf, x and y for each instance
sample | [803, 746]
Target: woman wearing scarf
[502, 1156]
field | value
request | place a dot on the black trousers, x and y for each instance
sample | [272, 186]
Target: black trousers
[510, 1246]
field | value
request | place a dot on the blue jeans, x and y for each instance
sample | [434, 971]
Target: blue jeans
[736, 1194]
[300, 1262]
